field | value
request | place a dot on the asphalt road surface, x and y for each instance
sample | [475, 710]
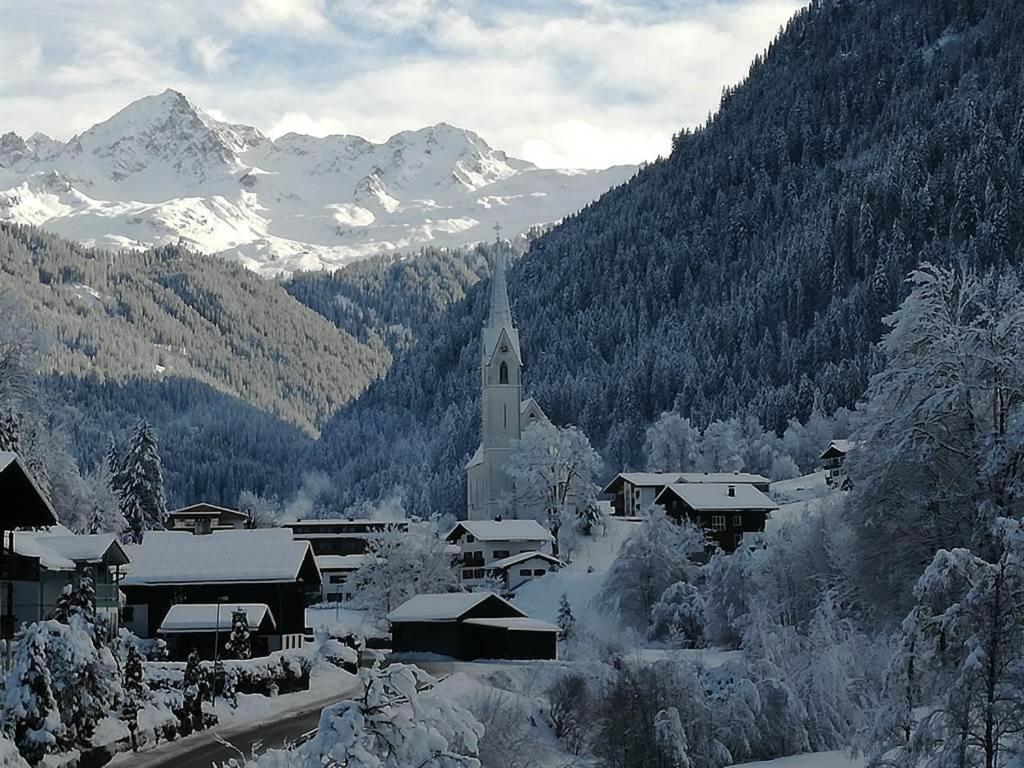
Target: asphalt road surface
[203, 750]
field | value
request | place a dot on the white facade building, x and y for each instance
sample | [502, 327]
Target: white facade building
[484, 543]
[490, 492]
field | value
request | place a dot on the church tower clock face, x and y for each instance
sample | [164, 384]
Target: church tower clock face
[504, 349]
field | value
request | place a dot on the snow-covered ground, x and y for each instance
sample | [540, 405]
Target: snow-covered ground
[161, 171]
[813, 760]
[798, 495]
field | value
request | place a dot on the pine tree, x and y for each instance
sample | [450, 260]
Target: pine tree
[142, 496]
[30, 714]
[238, 645]
[10, 431]
[135, 692]
[566, 621]
[77, 600]
[194, 690]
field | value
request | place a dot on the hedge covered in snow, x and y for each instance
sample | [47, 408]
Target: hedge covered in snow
[280, 672]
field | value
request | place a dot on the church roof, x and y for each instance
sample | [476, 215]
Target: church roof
[500, 316]
[501, 530]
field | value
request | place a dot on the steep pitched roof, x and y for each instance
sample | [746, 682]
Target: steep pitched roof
[502, 530]
[522, 557]
[205, 617]
[714, 497]
[210, 510]
[450, 606]
[259, 556]
[87, 548]
[22, 503]
[499, 319]
[839, 447]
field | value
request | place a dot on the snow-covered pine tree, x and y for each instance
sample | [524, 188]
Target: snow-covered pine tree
[566, 621]
[193, 691]
[10, 430]
[142, 495]
[671, 740]
[136, 692]
[30, 714]
[678, 616]
[78, 599]
[729, 591]
[238, 645]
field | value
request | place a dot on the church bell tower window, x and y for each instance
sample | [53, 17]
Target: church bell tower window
[503, 373]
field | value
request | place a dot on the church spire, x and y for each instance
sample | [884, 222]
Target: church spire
[501, 313]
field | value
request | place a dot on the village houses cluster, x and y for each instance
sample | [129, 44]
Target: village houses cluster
[183, 584]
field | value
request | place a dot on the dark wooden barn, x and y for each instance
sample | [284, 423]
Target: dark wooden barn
[466, 626]
[727, 513]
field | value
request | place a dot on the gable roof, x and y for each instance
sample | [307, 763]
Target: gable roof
[641, 479]
[205, 617]
[502, 530]
[516, 624]
[87, 548]
[449, 606]
[257, 556]
[522, 557]
[210, 510]
[838, 447]
[22, 503]
[723, 477]
[714, 497]
[529, 403]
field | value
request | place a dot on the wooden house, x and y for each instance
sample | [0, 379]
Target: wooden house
[482, 543]
[264, 567]
[205, 518]
[727, 513]
[632, 492]
[470, 625]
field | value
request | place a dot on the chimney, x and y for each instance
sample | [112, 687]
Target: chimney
[732, 490]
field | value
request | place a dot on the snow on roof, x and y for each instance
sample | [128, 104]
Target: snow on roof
[179, 557]
[207, 509]
[89, 548]
[649, 478]
[713, 497]
[516, 624]
[340, 562]
[529, 402]
[203, 617]
[343, 521]
[478, 457]
[522, 557]
[28, 545]
[842, 446]
[503, 530]
[448, 606]
[722, 477]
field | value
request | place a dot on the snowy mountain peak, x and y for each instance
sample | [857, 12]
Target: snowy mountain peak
[162, 170]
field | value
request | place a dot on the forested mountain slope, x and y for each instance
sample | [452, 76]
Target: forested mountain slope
[749, 271]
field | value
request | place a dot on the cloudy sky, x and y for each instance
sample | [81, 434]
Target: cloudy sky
[564, 83]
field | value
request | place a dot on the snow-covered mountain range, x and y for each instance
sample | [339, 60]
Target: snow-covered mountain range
[163, 171]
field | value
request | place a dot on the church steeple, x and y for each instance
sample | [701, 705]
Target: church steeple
[499, 319]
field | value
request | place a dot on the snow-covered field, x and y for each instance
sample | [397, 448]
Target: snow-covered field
[814, 760]
[161, 171]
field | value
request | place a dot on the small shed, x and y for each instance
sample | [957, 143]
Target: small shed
[466, 626]
[205, 627]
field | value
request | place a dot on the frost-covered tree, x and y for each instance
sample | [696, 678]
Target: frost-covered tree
[941, 428]
[136, 692]
[721, 447]
[9, 755]
[554, 469]
[670, 738]
[678, 616]
[30, 714]
[195, 688]
[142, 495]
[401, 565]
[397, 722]
[962, 660]
[106, 515]
[77, 599]
[238, 645]
[263, 512]
[566, 621]
[654, 557]
[729, 586]
[672, 444]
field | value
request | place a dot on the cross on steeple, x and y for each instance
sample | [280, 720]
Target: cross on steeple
[497, 233]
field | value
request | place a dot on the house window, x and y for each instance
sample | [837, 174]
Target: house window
[500, 554]
[469, 538]
[338, 579]
[737, 521]
[478, 573]
[524, 572]
[718, 522]
[539, 572]
[503, 373]
[467, 573]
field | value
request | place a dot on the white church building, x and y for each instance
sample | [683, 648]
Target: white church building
[490, 492]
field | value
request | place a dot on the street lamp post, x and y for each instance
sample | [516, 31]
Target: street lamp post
[216, 638]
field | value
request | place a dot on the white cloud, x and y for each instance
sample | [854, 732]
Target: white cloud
[587, 84]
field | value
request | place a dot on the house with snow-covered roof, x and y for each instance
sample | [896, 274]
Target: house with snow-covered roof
[470, 625]
[204, 628]
[833, 461]
[633, 492]
[726, 512]
[205, 518]
[267, 567]
[482, 543]
[514, 571]
[336, 572]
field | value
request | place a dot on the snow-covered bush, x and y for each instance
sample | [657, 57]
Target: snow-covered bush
[238, 645]
[679, 616]
[570, 711]
[730, 587]
[280, 672]
[396, 723]
[332, 650]
[30, 714]
[653, 558]
[136, 692]
[9, 755]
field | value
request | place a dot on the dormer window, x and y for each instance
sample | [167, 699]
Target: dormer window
[503, 373]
